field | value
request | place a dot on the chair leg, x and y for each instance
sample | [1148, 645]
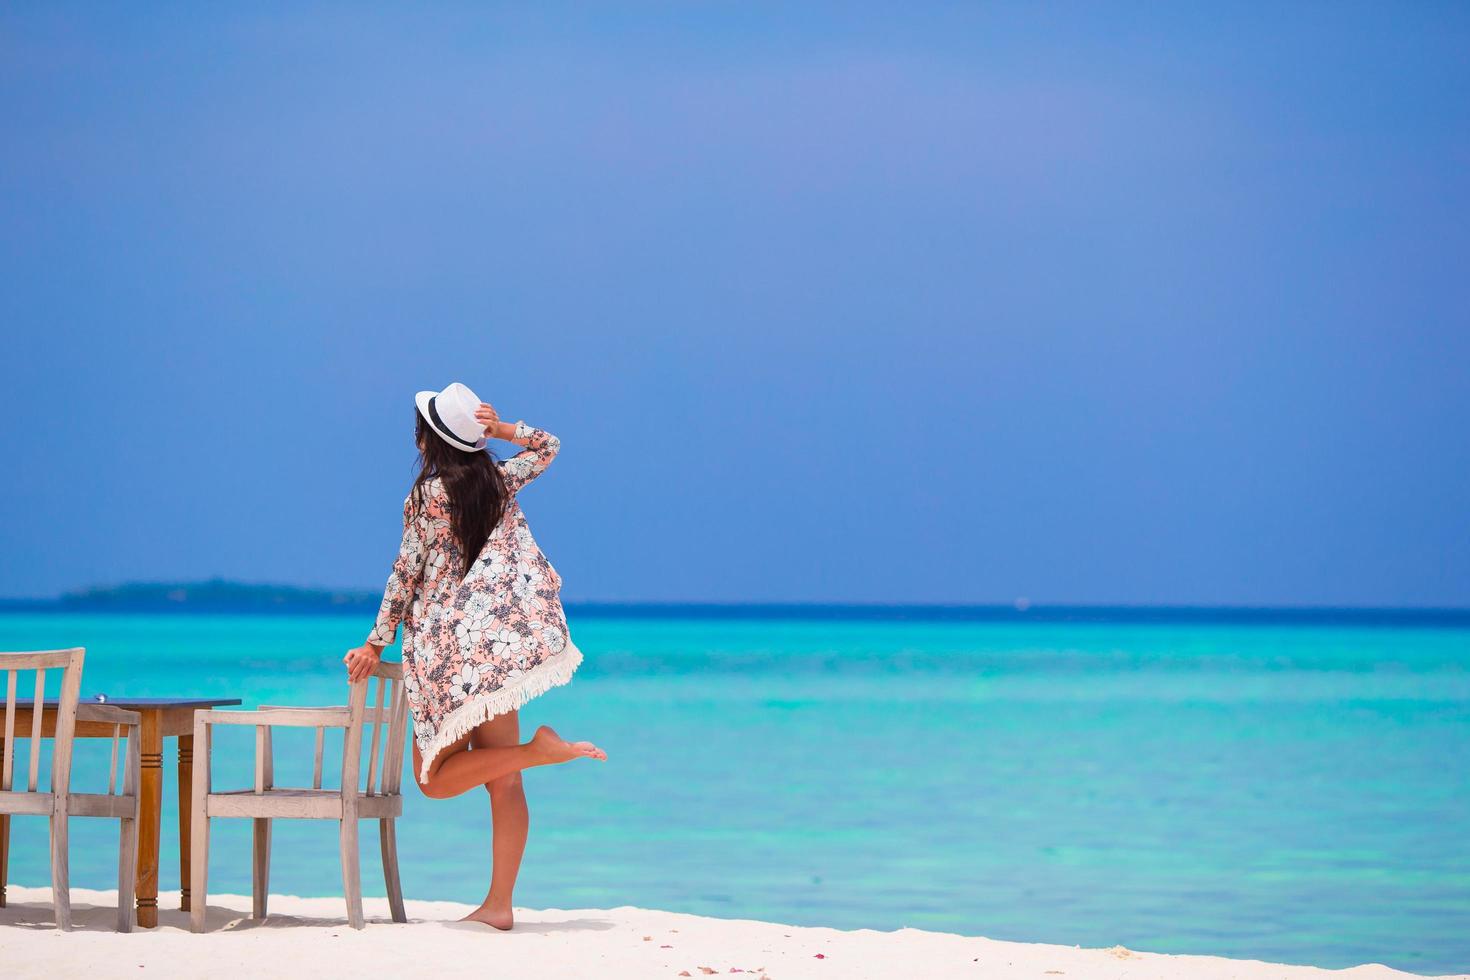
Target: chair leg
[351, 872]
[198, 868]
[261, 881]
[127, 872]
[389, 840]
[4, 855]
[60, 889]
[199, 828]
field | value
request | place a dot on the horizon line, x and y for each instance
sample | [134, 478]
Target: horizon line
[357, 602]
[98, 594]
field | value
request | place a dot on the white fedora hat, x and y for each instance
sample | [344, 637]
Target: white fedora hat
[451, 413]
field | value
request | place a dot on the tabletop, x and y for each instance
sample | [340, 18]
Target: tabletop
[140, 703]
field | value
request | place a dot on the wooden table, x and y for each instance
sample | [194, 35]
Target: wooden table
[162, 718]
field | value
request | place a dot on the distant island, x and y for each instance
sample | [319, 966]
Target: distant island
[212, 596]
[221, 596]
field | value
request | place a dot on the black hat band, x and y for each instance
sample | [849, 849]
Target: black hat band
[443, 429]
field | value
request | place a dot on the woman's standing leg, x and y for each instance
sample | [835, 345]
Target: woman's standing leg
[512, 821]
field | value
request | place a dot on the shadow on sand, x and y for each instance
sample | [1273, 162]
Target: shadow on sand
[87, 917]
[564, 925]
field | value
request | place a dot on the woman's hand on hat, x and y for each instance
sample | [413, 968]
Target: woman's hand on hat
[489, 418]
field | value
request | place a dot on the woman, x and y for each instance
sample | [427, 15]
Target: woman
[483, 627]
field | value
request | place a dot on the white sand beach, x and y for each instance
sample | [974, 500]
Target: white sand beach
[306, 935]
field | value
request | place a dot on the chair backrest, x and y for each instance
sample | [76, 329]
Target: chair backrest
[389, 711]
[69, 662]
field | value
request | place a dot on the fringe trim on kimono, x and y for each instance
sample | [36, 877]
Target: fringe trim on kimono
[553, 672]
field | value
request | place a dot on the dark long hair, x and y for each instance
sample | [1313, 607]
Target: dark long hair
[476, 489]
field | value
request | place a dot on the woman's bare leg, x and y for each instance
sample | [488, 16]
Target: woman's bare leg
[458, 768]
[512, 822]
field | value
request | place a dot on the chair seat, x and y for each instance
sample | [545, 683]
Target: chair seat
[101, 805]
[308, 804]
[379, 807]
[290, 803]
[77, 805]
[18, 803]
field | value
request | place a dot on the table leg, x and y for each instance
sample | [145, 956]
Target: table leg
[150, 806]
[186, 808]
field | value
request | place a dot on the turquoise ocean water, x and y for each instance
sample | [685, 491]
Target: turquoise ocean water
[1293, 793]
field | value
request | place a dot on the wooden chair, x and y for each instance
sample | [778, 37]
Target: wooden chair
[60, 803]
[346, 805]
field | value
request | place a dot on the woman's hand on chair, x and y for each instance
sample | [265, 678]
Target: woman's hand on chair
[362, 661]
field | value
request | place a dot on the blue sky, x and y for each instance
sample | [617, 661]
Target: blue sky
[826, 302]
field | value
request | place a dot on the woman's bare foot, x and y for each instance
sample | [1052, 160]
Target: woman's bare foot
[501, 919]
[557, 749]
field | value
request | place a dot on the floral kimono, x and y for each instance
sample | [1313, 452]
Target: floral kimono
[485, 645]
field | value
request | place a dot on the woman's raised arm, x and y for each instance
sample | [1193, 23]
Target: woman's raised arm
[529, 463]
